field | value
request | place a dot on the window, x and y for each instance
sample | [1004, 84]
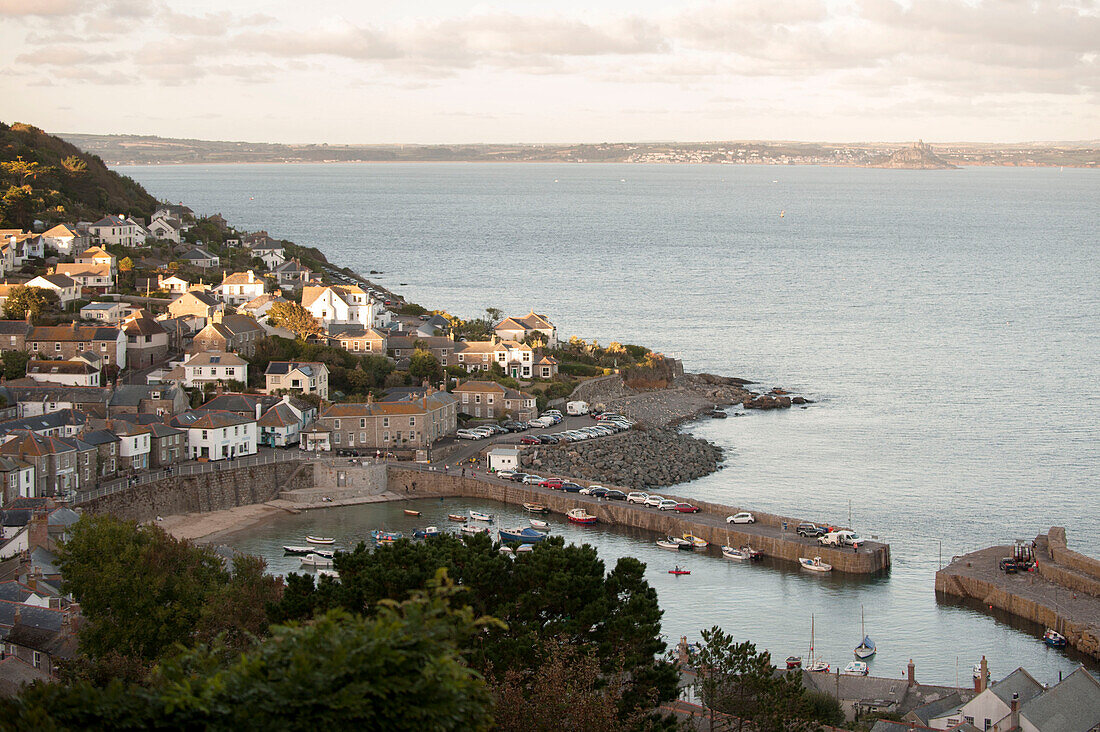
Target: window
[362, 423]
[336, 424]
[489, 412]
[205, 434]
[362, 436]
[80, 346]
[336, 437]
[34, 347]
[489, 399]
[465, 398]
[37, 659]
[385, 421]
[477, 399]
[385, 436]
[412, 421]
[57, 346]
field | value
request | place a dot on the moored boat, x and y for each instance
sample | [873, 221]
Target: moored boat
[1054, 639]
[316, 560]
[696, 542]
[667, 544]
[866, 648]
[481, 516]
[815, 564]
[456, 517]
[471, 530]
[304, 550]
[580, 516]
[328, 573]
[855, 668]
[410, 512]
[426, 532]
[524, 548]
[540, 525]
[321, 540]
[385, 537]
[794, 661]
[525, 535]
[535, 508]
[819, 665]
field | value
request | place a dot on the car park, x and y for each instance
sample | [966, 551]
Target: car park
[741, 518]
[667, 505]
[531, 479]
[636, 497]
[810, 530]
[653, 500]
[615, 495]
[686, 508]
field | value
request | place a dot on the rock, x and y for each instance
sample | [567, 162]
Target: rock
[798, 400]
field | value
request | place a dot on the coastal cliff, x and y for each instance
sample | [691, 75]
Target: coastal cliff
[918, 157]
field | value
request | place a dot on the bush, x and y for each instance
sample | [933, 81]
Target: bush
[579, 369]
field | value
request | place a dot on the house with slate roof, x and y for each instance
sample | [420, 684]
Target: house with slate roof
[200, 258]
[107, 445]
[195, 303]
[120, 230]
[387, 426]
[168, 445]
[158, 399]
[56, 461]
[92, 278]
[69, 341]
[67, 373]
[991, 704]
[217, 435]
[98, 255]
[146, 340]
[292, 274]
[281, 425]
[17, 477]
[43, 637]
[442, 347]
[304, 377]
[66, 240]
[359, 340]
[13, 335]
[62, 423]
[492, 400]
[514, 358]
[229, 332]
[209, 367]
[518, 328]
[41, 399]
[105, 312]
[272, 253]
[66, 288]
[165, 226]
[261, 406]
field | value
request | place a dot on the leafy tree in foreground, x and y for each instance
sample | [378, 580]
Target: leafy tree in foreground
[38, 301]
[400, 669]
[293, 317]
[424, 366]
[15, 364]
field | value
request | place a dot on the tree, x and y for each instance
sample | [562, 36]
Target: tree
[125, 265]
[424, 366]
[293, 317]
[494, 314]
[38, 301]
[15, 364]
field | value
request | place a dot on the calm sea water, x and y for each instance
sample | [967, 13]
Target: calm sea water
[948, 323]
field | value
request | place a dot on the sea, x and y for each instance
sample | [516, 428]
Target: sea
[945, 323]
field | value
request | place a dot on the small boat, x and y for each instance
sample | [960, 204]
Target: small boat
[385, 537]
[668, 544]
[1054, 639]
[456, 517]
[535, 508]
[866, 648]
[526, 535]
[471, 530]
[316, 560]
[320, 540]
[815, 564]
[819, 666]
[855, 668]
[580, 516]
[794, 661]
[813, 662]
[302, 550]
[737, 555]
[696, 542]
[481, 516]
[681, 544]
[540, 525]
[410, 512]
[426, 532]
[328, 573]
[524, 548]
[679, 570]
[507, 550]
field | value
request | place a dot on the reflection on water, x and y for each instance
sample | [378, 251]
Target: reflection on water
[769, 602]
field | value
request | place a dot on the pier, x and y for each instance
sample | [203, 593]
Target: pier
[1062, 593]
[766, 535]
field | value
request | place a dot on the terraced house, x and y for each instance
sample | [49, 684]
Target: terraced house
[68, 341]
[238, 333]
[492, 400]
[389, 426]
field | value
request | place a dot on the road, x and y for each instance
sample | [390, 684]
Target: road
[463, 449]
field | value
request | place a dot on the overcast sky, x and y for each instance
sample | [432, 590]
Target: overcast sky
[561, 71]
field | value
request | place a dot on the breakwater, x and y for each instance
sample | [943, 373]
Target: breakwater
[766, 535]
[1062, 593]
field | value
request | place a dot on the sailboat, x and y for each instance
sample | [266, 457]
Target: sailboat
[815, 663]
[866, 648]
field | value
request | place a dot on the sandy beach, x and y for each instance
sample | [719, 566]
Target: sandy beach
[209, 527]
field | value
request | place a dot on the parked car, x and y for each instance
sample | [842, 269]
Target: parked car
[570, 487]
[518, 477]
[599, 491]
[741, 518]
[530, 441]
[514, 426]
[588, 491]
[468, 435]
[686, 508]
[552, 483]
[667, 505]
[809, 530]
[653, 500]
[841, 538]
[1008, 565]
[615, 495]
[547, 439]
[637, 497]
[531, 479]
[506, 474]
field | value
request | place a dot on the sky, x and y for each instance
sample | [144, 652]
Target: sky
[449, 71]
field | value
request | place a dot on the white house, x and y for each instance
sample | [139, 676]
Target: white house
[239, 287]
[281, 425]
[65, 240]
[305, 377]
[519, 327]
[120, 230]
[993, 704]
[342, 305]
[67, 289]
[200, 258]
[98, 255]
[77, 372]
[105, 312]
[503, 458]
[165, 226]
[217, 435]
[174, 284]
[134, 445]
[258, 308]
[271, 252]
[212, 366]
[515, 358]
[97, 276]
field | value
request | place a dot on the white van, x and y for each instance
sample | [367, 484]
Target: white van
[576, 408]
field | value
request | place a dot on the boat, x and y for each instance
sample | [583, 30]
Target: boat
[316, 560]
[525, 535]
[580, 516]
[679, 570]
[535, 508]
[855, 668]
[456, 517]
[524, 548]
[867, 648]
[1054, 639]
[794, 661]
[696, 542]
[507, 550]
[426, 532]
[819, 666]
[737, 555]
[668, 544]
[410, 512]
[320, 540]
[481, 516]
[385, 537]
[813, 663]
[304, 550]
[681, 544]
[328, 573]
[471, 530]
[753, 555]
[540, 525]
[815, 564]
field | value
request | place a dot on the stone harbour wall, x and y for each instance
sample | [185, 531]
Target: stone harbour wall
[1087, 566]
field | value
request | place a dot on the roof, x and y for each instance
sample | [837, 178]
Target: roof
[102, 306]
[940, 707]
[131, 395]
[202, 297]
[159, 430]
[865, 688]
[83, 269]
[243, 278]
[60, 231]
[432, 402]
[92, 252]
[269, 244]
[100, 437]
[1018, 682]
[143, 326]
[61, 367]
[1071, 705]
[15, 673]
[513, 451]
[546, 361]
[531, 321]
[13, 591]
[197, 254]
[404, 393]
[356, 332]
[311, 293]
[209, 420]
[71, 394]
[57, 280]
[232, 324]
[285, 367]
[215, 358]
[62, 516]
[16, 517]
[259, 301]
[73, 333]
[292, 266]
[14, 327]
[246, 403]
[280, 415]
[479, 386]
[429, 341]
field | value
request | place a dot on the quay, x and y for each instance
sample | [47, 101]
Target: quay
[766, 535]
[1062, 593]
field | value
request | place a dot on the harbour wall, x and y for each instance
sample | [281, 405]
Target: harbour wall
[870, 559]
[1068, 568]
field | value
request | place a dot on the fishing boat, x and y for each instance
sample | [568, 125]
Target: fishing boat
[1054, 639]
[456, 517]
[867, 648]
[525, 535]
[815, 564]
[320, 540]
[426, 532]
[855, 668]
[410, 512]
[696, 542]
[752, 554]
[794, 661]
[679, 570]
[316, 560]
[540, 525]
[535, 508]
[385, 537]
[481, 516]
[668, 544]
[471, 530]
[580, 516]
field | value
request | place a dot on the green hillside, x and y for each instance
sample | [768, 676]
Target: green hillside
[44, 177]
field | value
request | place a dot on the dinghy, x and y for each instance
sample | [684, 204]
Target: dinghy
[540, 525]
[815, 564]
[320, 540]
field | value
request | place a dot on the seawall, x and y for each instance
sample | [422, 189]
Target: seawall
[766, 535]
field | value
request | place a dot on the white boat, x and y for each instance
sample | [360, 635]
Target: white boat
[819, 665]
[815, 663]
[540, 525]
[524, 548]
[815, 564]
[316, 560]
[666, 544]
[696, 542]
[866, 648]
[472, 530]
[320, 540]
[506, 550]
[580, 516]
[736, 555]
[481, 516]
[855, 668]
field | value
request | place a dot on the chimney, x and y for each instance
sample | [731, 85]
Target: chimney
[370, 398]
[1014, 713]
[259, 409]
[983, 676]
[37, 532]
[912, 673]
[286, 398]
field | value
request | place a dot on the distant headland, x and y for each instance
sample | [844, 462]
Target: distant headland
[150, 150]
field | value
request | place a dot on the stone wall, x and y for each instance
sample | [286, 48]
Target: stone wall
[664, 523]
[205, 492]
[1059, 552]
[600, 389]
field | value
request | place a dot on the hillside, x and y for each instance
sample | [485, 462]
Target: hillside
[44, 177]
[918, 157]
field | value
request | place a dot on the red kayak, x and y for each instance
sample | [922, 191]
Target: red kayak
[679, 571]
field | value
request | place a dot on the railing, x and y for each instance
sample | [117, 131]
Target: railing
[263, 457]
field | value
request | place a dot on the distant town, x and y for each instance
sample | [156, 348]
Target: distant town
[150, 150]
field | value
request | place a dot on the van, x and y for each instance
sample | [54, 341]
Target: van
[576, 408]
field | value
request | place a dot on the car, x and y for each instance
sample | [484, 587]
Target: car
[597, 491]
[514, 426]
[614, 495]
[571, 487]
[506, 474]
[496, 429]
[518, 477]
[468, 435]
[653, 500]
[810, 530]
[686, 508]
[1008, 565]
[741, 518]
[636, 497]
[531, 479]
[482, 431]
[667, 505]
[530, 441]
[588, 491]
[841, 538]
[551, 483]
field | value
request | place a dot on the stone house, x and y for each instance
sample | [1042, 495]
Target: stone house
[514, 358]
[271, 252]
[217, 435]
[518, 328]
[17, 478]
[146, 340]
[13, 335]
[361, 340]
[200, 258]
[441, 347]
[195, 303]
[391, 425]
[158, 399]
[107, 446]
[546, 367]
[43, 637]
[168, 445]
[305, 377]
[165, 227]
[62, 423]
[57, 461]
[281, 425]
[292, 274]
[69, 341]
[66, 288]
[258, 308]
[492, 400]
[229, 332]
[41, 399]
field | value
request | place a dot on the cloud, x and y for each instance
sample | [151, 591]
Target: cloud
[19, 8]
[64, 55]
